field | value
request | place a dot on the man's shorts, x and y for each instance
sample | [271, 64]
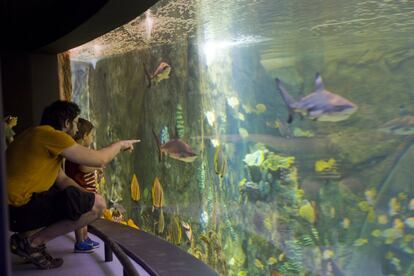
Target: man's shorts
[49, 207]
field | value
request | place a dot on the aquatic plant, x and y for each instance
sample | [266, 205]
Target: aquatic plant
[201, 176]
[164, 135]
[179, 121]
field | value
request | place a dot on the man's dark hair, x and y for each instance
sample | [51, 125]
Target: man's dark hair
[56, 114]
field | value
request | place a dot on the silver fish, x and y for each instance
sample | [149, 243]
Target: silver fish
[320, 105]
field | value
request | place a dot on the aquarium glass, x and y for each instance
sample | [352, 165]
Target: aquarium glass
[277, 136]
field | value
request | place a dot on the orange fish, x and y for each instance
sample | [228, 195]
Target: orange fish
[161, 73]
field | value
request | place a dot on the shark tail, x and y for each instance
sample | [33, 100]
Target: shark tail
[148, 76]
[157, 140]
[289, 101]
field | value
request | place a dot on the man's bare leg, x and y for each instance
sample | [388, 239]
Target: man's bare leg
[62, 227]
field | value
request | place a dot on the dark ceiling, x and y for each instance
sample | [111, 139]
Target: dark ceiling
[54, 26]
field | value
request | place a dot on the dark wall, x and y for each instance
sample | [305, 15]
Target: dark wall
[4, 233]
[30, 82]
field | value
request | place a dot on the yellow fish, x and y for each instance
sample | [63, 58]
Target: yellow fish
[107, 214]
[411, 204]
[382, 219]
[135, 191]
[132, 224]
[243, 132]
[307, 212]
[322, 165]
[260, 108]
[272, 260]
[258, 264]
[161, 222]
[394, 206]
[370, 195]
[360, 242]
[157, 194]
[327, 254]
[346, 222]
[409, 222]
[220, 162]
[376, 233]
[398, 224]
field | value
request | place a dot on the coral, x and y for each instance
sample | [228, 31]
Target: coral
[164, 135]
[276, 162]
[255, 159]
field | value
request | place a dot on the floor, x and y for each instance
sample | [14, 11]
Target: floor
[79, 264]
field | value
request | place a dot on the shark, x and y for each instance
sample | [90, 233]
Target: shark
[320, 105]
[175, 149]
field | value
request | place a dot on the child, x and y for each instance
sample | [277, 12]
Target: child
[9, 123]
[82, 176]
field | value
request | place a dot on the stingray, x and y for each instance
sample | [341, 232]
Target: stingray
[320, 105]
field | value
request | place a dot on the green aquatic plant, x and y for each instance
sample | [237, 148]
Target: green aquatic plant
[179, 121]
[201, 176]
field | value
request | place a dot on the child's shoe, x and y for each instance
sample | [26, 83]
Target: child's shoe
[92, 243]
[83, 247]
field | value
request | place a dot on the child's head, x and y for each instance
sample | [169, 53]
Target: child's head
[11, 120]
[85, 134]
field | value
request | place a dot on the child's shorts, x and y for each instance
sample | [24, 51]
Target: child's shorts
[49, 207]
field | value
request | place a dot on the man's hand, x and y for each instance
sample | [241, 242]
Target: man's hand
[128, 145]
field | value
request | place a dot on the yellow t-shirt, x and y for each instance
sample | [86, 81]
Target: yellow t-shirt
[33, 162]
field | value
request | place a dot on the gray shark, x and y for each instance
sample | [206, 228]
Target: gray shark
[320, 105]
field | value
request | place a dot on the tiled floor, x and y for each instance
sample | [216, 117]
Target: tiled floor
[79, 264]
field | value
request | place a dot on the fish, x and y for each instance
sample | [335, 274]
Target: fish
[220, 162]
[135, 190]
[320, 105]
[161, 73]
[132, 224]
[188, 230]
[176, 149]
[307, 212]
[161, 222]
[399, 126]
[157, 194]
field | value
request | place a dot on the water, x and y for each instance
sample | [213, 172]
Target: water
[263, 196]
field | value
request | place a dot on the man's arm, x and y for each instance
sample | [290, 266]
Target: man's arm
[63, 181]
[97, 158]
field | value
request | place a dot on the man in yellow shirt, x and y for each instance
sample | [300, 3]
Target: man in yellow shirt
[34, 165]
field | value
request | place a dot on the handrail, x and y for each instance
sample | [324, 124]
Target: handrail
[129, 268]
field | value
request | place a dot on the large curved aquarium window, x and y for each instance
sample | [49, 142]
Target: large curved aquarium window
[309, 174]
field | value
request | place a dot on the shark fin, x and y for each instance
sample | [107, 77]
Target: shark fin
[290, 117]
[289, 101]
[157, 140]
[319, 86]
[148, 76]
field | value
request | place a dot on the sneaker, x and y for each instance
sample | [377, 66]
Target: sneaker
[92, 243]
[36, 255]
[83, 247]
